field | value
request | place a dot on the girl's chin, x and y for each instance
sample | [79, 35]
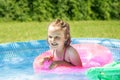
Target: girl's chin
[53, 47]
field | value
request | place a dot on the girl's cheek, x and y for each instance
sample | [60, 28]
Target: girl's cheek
[61, 43]
[49, 40]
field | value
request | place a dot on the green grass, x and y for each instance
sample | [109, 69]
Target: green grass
[96, 29]
[25, 31]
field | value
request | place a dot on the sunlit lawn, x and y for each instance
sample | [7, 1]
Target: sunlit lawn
[26, 31]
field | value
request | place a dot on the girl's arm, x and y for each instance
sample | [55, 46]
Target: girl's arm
[74, 57]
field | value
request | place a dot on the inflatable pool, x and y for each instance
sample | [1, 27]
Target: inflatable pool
[16, 61]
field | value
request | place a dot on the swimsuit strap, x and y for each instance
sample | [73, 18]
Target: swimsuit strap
[64, 54]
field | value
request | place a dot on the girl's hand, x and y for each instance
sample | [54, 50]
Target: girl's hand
[43, 60]
[53, 64]
[59, 63]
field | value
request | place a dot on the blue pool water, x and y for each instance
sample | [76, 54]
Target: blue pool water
[16, 59]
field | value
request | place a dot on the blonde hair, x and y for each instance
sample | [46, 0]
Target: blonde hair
[65, 26]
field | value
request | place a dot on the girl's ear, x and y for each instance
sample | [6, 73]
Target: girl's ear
[66, 39]
[67, 36]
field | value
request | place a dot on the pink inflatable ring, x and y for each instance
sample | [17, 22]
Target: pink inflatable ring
[92, 55]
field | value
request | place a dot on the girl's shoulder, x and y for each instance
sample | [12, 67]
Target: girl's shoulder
[70, 50]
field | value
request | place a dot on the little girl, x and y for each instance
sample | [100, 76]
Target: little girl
[62, 54]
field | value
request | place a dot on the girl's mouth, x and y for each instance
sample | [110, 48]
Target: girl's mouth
[54, 44]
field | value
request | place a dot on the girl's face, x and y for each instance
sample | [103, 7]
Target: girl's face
[56, 37]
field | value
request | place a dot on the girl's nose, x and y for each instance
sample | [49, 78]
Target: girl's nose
[53, 39]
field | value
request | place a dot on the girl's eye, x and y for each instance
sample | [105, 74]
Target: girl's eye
[57, 37]
[50, 36]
